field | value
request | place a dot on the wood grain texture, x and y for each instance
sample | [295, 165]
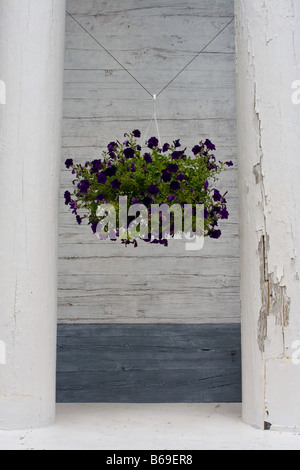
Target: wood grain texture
[104, 282]
[148, 363]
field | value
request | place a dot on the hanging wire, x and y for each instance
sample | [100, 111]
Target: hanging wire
[196, 56]
[154, 117]
[116, 60]
[134, 78]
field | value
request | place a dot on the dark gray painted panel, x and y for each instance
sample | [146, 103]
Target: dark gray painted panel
[149, 363]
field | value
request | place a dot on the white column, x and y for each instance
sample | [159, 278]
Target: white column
[31, 73]
[268, 109]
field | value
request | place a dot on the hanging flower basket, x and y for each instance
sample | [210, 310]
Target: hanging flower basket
[156, 176]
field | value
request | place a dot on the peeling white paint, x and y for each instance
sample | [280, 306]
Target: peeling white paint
[268, 59]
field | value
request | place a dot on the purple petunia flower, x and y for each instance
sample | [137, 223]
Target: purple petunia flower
[177, 154]
[96, 166]
[136, 133]
[102, 178]
[147, 158]
[153, 142]
[79, 219]
[129, 153]
[166, 177]
[197, 149]
[67, 196]
[229, 163]
[177, 143]
[175, 186]
[224, 213]
[69, 162]
[217, 196]
[139, 148]
[209, 145]
[116, 184]
[83, 186]
[212, 166]
[147, 201]
[181, 177]
[166, 147]
[73, 206]
[173, 168]
[214, 234]
[206, 185]
[171, 197]
[94, 226]
[100, 197]
[153, 189]
[112, 146]
[133, 167]
[110, 171]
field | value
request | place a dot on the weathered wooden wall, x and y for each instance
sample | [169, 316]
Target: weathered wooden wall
[104, 282]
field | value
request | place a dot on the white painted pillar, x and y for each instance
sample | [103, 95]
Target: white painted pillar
[31, 73]
[268, 109]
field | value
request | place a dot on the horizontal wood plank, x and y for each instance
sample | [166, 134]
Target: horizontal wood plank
[148, 363]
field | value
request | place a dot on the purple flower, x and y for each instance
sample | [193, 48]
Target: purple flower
[67, 196]
[102, 178]
[173, 168]
[69, 162]
[111, 171]
[209, 145]
[116, 184]
[83, 186]
[96, 166]
[175, 185]
[153, 142]
[147, 158]
[217, 196]
[139, 148]
[73, 207]
[197, 149]
[214, 234]
[176, 155]
[147, 201]
[112, 146]
[166, 177]
[133, 167]
[153, 189]
[129, 153]
[94, 226]
[224, 213]
[136, 133]
[212, 166]
[79, 219]
[166, 147]
[177, 143]
[229, 163]
[171, 197]
[100, 197]
[206, 185]
[181, 177]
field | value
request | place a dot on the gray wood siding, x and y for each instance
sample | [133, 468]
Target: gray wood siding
[105, 282]
[149, 363]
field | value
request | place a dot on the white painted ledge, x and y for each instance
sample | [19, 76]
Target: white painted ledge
[149, 427]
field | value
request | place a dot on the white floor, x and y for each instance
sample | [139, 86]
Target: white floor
[149, 427]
